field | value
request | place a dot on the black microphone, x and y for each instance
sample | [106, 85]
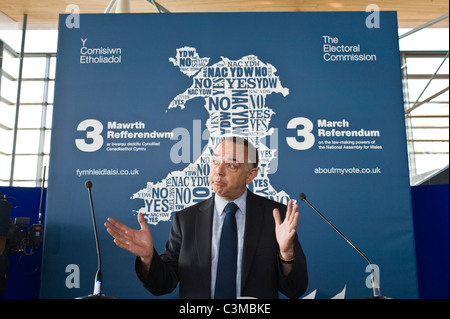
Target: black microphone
[375, 283]
[98, 276]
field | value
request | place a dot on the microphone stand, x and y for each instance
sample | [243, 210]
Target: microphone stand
[98, 276]
[375, 284]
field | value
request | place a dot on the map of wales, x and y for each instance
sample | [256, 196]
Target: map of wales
[234, 94]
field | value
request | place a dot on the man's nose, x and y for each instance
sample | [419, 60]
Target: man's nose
[220, 168]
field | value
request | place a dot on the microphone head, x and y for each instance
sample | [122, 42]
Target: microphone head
[88, 184]
[302, 196]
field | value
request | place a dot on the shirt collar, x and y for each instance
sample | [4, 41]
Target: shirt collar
[220, 203]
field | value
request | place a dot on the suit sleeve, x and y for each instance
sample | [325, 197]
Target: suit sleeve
[295, 283]
[163, 277]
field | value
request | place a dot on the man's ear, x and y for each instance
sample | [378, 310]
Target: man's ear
[251, 175]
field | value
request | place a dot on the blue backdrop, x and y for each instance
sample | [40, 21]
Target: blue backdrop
[141, 98]
[24, 271]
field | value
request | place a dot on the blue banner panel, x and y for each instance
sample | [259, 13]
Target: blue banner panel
[430, 208]
[140, 100]
[24, 261]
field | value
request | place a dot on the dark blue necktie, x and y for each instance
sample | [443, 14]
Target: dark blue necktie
[227, 264]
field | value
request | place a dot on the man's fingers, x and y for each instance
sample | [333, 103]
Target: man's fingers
[121, 244]
[116, 229]
[291, 212]
[291, 217]
[288, 211]
[117, 225]
[295, 220]
[117, 235]
[138, 242]
[111, 228]
[141, 220]
[276, 216]
[294, 213]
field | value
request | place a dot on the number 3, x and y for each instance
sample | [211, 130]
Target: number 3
[309, 138]
[94, 135]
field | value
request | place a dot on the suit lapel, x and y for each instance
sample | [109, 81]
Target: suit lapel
[253, 222]
[203, 236]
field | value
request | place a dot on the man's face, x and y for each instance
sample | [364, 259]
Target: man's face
[230, 171]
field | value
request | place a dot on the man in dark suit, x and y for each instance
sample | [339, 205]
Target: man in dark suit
[267, 254]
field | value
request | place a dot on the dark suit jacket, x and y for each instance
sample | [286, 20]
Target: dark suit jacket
[187, 258]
